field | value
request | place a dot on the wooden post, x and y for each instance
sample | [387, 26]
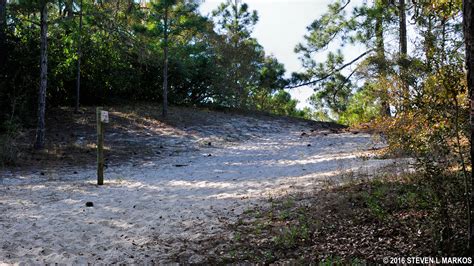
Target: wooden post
[100, 148]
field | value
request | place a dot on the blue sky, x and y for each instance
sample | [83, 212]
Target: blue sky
[281, 26]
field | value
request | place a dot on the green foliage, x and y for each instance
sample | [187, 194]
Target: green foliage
[336, 81]
[333, 92]
[240, 55]
[9, 133]
[211, 60]
[235, 19]
[374, 205]
[362, 107]
[331, 26]
[271, 79]
[289, 237]
[282, 104]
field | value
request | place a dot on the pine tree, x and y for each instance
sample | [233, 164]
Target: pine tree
[468, 22]
[41, 127]
[242, 53]
[3, 33]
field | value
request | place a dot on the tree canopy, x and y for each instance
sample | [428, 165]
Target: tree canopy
[209, 60]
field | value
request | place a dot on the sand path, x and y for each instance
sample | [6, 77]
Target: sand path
[161, 211]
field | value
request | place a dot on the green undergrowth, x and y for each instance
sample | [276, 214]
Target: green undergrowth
[355, 223]
[9, 151]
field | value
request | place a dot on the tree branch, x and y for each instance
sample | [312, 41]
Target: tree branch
[332, 72]
[344, 6]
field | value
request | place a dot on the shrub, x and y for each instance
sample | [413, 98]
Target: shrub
[9, 150]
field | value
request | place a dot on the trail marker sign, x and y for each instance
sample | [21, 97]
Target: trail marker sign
[104, 117]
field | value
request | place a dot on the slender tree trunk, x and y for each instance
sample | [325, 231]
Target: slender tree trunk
[3, 32]
[130, 6]
[239, 87]
[69, 9]
[403, 50]
[165, 65]
[403, 28]
[429, 40]
[380, 49]
[468, 22]
[40, 131]
[78, 79]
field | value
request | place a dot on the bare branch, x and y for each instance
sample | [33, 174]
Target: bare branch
[332, 72]
[344, 6]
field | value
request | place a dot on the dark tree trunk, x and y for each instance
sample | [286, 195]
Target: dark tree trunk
[403, 28]
[468, 15]
[380, 49]
[403, 49]
[3, 32]
[40, 131]
[429, 44]
[78, 77]
[235, 34]
[69, 9]
[165, 65]
[129, 7]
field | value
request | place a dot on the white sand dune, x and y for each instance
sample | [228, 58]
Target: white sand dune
[162, 210]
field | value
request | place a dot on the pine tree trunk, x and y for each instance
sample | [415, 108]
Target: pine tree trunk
[40, 131]
[3, 31]
[403, 50]
[429, 43]
[380, 49]
[468, 15]
[165, 65]
[69, 9]
[78, 76]
[403, 28]
[235, 34]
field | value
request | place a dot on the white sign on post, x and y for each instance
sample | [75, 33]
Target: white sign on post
[104, 116]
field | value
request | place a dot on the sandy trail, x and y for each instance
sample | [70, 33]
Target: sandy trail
[163, 210]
